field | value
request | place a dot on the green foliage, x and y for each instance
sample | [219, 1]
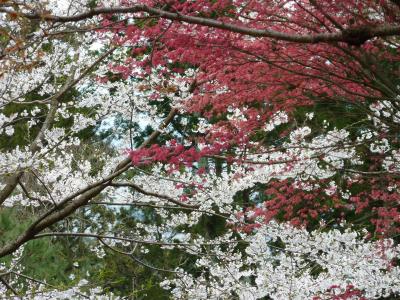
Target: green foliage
[41, 258]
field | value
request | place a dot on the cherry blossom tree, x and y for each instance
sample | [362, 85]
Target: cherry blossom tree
[272, 162]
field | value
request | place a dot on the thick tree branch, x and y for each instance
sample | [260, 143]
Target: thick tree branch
[82, 197]
[354, 36]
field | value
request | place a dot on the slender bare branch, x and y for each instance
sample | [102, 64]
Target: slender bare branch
[147, 193]
[99, 236]
[8, 286]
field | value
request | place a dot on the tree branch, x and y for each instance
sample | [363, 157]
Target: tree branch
[8, 286]
[99, 236]
[354, 35]
[84, 195]
[12, 181]
[147, 193]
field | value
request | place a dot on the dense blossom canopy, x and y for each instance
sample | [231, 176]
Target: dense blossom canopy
[256, 142]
